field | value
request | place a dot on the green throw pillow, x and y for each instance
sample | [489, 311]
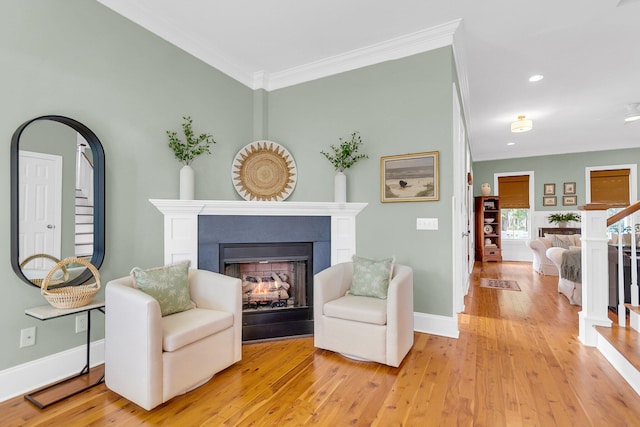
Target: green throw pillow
[371, 277]
[169, 285]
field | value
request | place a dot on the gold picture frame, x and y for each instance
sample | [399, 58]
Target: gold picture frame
[410, 177]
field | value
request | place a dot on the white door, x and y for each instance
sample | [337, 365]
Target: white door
[470, 217]
[460, 209]
[40, 207]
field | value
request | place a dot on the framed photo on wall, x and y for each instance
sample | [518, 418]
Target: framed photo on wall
[569, 200]
[409, 177]
[549, 201]
[549, 189]
[569, 188]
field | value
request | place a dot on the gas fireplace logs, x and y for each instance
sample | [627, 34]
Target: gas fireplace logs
[265, 291]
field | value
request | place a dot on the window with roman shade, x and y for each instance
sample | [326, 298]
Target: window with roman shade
[610, 187]
[514, 191]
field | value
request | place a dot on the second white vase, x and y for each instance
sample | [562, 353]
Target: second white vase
[340, 188]
[187, 183]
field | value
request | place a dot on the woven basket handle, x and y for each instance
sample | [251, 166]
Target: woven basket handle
[62, 264]
[55, 260]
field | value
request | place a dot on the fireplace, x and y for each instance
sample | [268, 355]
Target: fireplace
[262, 250]
[277, 287]
[195, 230]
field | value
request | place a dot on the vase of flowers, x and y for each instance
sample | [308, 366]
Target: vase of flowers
[186, 152]
[342, 157]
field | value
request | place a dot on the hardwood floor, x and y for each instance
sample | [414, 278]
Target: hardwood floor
[517, 362]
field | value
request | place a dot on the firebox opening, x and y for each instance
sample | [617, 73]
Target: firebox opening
[276, 287]
[270, 285]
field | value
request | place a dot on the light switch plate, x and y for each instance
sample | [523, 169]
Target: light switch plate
[426, 223]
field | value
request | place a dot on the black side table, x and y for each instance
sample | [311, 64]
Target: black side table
[75, 384]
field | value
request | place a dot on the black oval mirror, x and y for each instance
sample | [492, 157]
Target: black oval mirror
[57, 210]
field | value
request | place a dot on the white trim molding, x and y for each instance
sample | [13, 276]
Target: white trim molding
[436, 325]
[396, 48]
[181, 223]
[142, 13]
[30, 376]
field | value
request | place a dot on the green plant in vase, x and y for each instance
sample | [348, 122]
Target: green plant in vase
[186, 152]
[561, 219]
[342, 157]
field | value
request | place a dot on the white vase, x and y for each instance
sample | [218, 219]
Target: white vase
[187, 183]
[486, 189]
[340, 188]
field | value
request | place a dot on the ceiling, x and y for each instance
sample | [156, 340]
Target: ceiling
[587, 51]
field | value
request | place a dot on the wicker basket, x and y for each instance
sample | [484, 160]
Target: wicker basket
[71, 296]
[38, 281]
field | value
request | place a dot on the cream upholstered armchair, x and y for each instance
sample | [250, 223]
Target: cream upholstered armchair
[150, 358]
[363, 327]
[541, 263]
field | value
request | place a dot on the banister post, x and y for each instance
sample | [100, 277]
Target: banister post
[595, 273]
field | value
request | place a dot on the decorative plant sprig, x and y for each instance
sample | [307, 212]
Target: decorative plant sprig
[560, 217]
[345, 155]
[186, 152]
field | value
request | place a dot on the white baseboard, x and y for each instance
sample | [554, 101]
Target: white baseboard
[619, 362]
[32, 375]
[436, 325]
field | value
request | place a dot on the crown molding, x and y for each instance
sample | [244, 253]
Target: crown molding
[396, 48]
[460, 59]
[145, 17]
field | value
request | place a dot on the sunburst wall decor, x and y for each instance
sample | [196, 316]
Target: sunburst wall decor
[264, 170]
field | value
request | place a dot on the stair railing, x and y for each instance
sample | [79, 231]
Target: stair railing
[84, 174]
[625, 221]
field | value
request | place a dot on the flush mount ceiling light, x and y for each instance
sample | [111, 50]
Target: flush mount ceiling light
[536, 78]
[521, 125]
[633, 113]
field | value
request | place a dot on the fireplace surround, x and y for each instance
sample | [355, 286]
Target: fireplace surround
[198, 230]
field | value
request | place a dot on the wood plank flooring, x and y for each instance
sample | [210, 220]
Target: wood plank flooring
[517, 362]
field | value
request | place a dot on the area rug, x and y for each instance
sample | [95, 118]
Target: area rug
[510, 285]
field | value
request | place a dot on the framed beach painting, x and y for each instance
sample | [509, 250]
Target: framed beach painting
[409, 177]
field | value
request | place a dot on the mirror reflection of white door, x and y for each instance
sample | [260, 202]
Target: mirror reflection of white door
[40, 208]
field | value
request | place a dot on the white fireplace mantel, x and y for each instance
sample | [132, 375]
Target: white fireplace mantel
[181, 222]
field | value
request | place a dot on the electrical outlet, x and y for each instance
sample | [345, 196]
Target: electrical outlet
[27, 337]
[81, 323]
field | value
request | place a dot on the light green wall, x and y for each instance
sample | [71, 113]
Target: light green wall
[556, 169]
[399, 107]
[79, 59]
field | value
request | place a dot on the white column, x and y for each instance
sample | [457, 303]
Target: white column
[343, 238]
[595, 273]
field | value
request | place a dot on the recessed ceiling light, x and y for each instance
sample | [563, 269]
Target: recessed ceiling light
[536, 78]
[511, 143]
